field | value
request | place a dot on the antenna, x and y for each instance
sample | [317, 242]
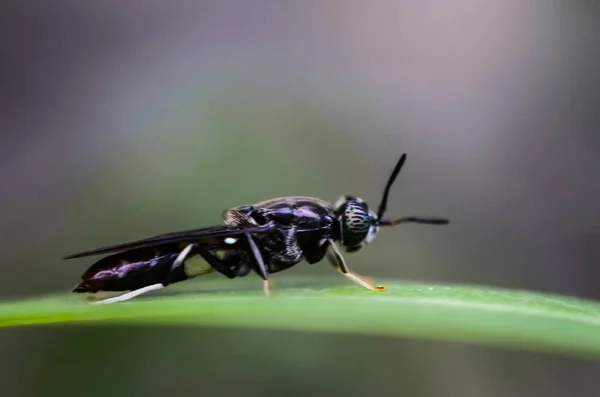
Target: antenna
[390, 182]
[426, 220]
[409, 219]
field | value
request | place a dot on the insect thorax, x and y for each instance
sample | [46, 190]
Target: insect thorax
[281, 248]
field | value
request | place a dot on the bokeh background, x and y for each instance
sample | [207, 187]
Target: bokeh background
[123, 119]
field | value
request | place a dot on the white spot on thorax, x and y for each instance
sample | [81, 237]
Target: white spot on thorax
[230, 240]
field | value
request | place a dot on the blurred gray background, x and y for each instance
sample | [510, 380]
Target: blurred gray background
[123, 119]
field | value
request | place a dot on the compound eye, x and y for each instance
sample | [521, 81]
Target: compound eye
[356, 223]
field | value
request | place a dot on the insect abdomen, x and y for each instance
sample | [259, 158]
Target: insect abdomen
[131, 270]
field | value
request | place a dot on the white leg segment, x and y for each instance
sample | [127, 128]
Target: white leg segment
[130, 295]
[181, 257]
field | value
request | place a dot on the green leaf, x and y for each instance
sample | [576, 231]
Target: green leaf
[486, 316]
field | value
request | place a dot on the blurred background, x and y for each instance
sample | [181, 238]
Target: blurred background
[120, 120]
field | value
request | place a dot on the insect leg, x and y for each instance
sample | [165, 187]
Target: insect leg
[217, 263]
[337, 260]
[130, 295]
[182, 255]
[261, 269]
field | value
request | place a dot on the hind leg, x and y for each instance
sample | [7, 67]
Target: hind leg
[129, 295]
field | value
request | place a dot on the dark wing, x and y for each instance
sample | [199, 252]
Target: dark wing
[207, 234]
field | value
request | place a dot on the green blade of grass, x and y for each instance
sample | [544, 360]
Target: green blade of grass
[485, 316]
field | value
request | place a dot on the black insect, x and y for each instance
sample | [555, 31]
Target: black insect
[266, 238]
